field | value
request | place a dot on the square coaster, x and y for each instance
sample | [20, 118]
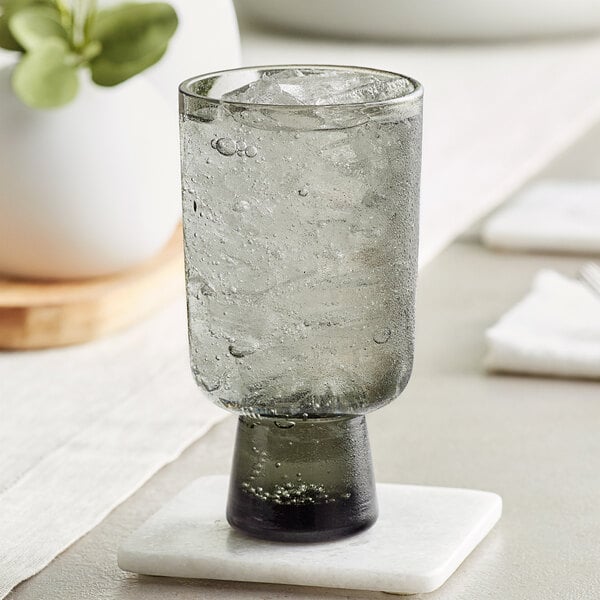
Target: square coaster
[421, 537]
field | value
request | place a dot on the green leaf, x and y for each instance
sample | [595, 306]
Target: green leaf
[8, 9]
[108, 73]
[133, 38]
[44, 78]
[7, 41]
[33, 25]
[91, 50]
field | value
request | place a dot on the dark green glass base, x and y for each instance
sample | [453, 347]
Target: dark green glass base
[302, 480]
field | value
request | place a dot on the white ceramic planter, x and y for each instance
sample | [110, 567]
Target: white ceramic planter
[207, 39]
[93, 187]
[87, 189]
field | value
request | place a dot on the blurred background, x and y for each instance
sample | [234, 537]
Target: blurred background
[505, 392]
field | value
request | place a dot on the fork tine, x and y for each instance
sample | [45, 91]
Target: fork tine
[590, 274]
[593, 272]
[592, 266]
[591, 269]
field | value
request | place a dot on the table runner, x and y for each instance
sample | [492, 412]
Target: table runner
[82, 428]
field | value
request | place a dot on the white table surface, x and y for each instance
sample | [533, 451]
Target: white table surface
[494, 114]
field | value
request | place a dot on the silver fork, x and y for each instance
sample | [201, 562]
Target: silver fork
[590, 274]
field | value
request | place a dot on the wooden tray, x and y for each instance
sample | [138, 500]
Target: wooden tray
[41, 314]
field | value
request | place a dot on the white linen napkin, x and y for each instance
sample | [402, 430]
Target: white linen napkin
[555, 216]
[554, 330]
[82, 428]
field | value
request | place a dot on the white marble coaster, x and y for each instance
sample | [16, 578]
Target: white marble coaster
[421, 537]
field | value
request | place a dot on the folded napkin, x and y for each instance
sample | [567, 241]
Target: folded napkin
[554, 330]
[556, 216]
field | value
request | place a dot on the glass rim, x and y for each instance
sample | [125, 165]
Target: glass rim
[185, 88]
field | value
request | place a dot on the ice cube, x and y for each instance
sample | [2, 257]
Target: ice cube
[296, 87]
[266, 90]
[319, 88]
[376, 90]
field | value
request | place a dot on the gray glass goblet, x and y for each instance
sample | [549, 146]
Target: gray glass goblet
[301, 236]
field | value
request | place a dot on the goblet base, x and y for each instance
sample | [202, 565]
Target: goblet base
[302, 480]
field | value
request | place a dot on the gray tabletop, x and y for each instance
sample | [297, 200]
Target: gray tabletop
[534, 441]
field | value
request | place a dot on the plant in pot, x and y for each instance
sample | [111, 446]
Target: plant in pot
[88, 152]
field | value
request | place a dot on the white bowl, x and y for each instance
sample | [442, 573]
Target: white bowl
[428, 20]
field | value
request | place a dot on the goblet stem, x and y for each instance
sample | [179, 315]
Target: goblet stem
[302, 480]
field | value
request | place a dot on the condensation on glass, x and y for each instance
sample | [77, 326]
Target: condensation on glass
[301, 237]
